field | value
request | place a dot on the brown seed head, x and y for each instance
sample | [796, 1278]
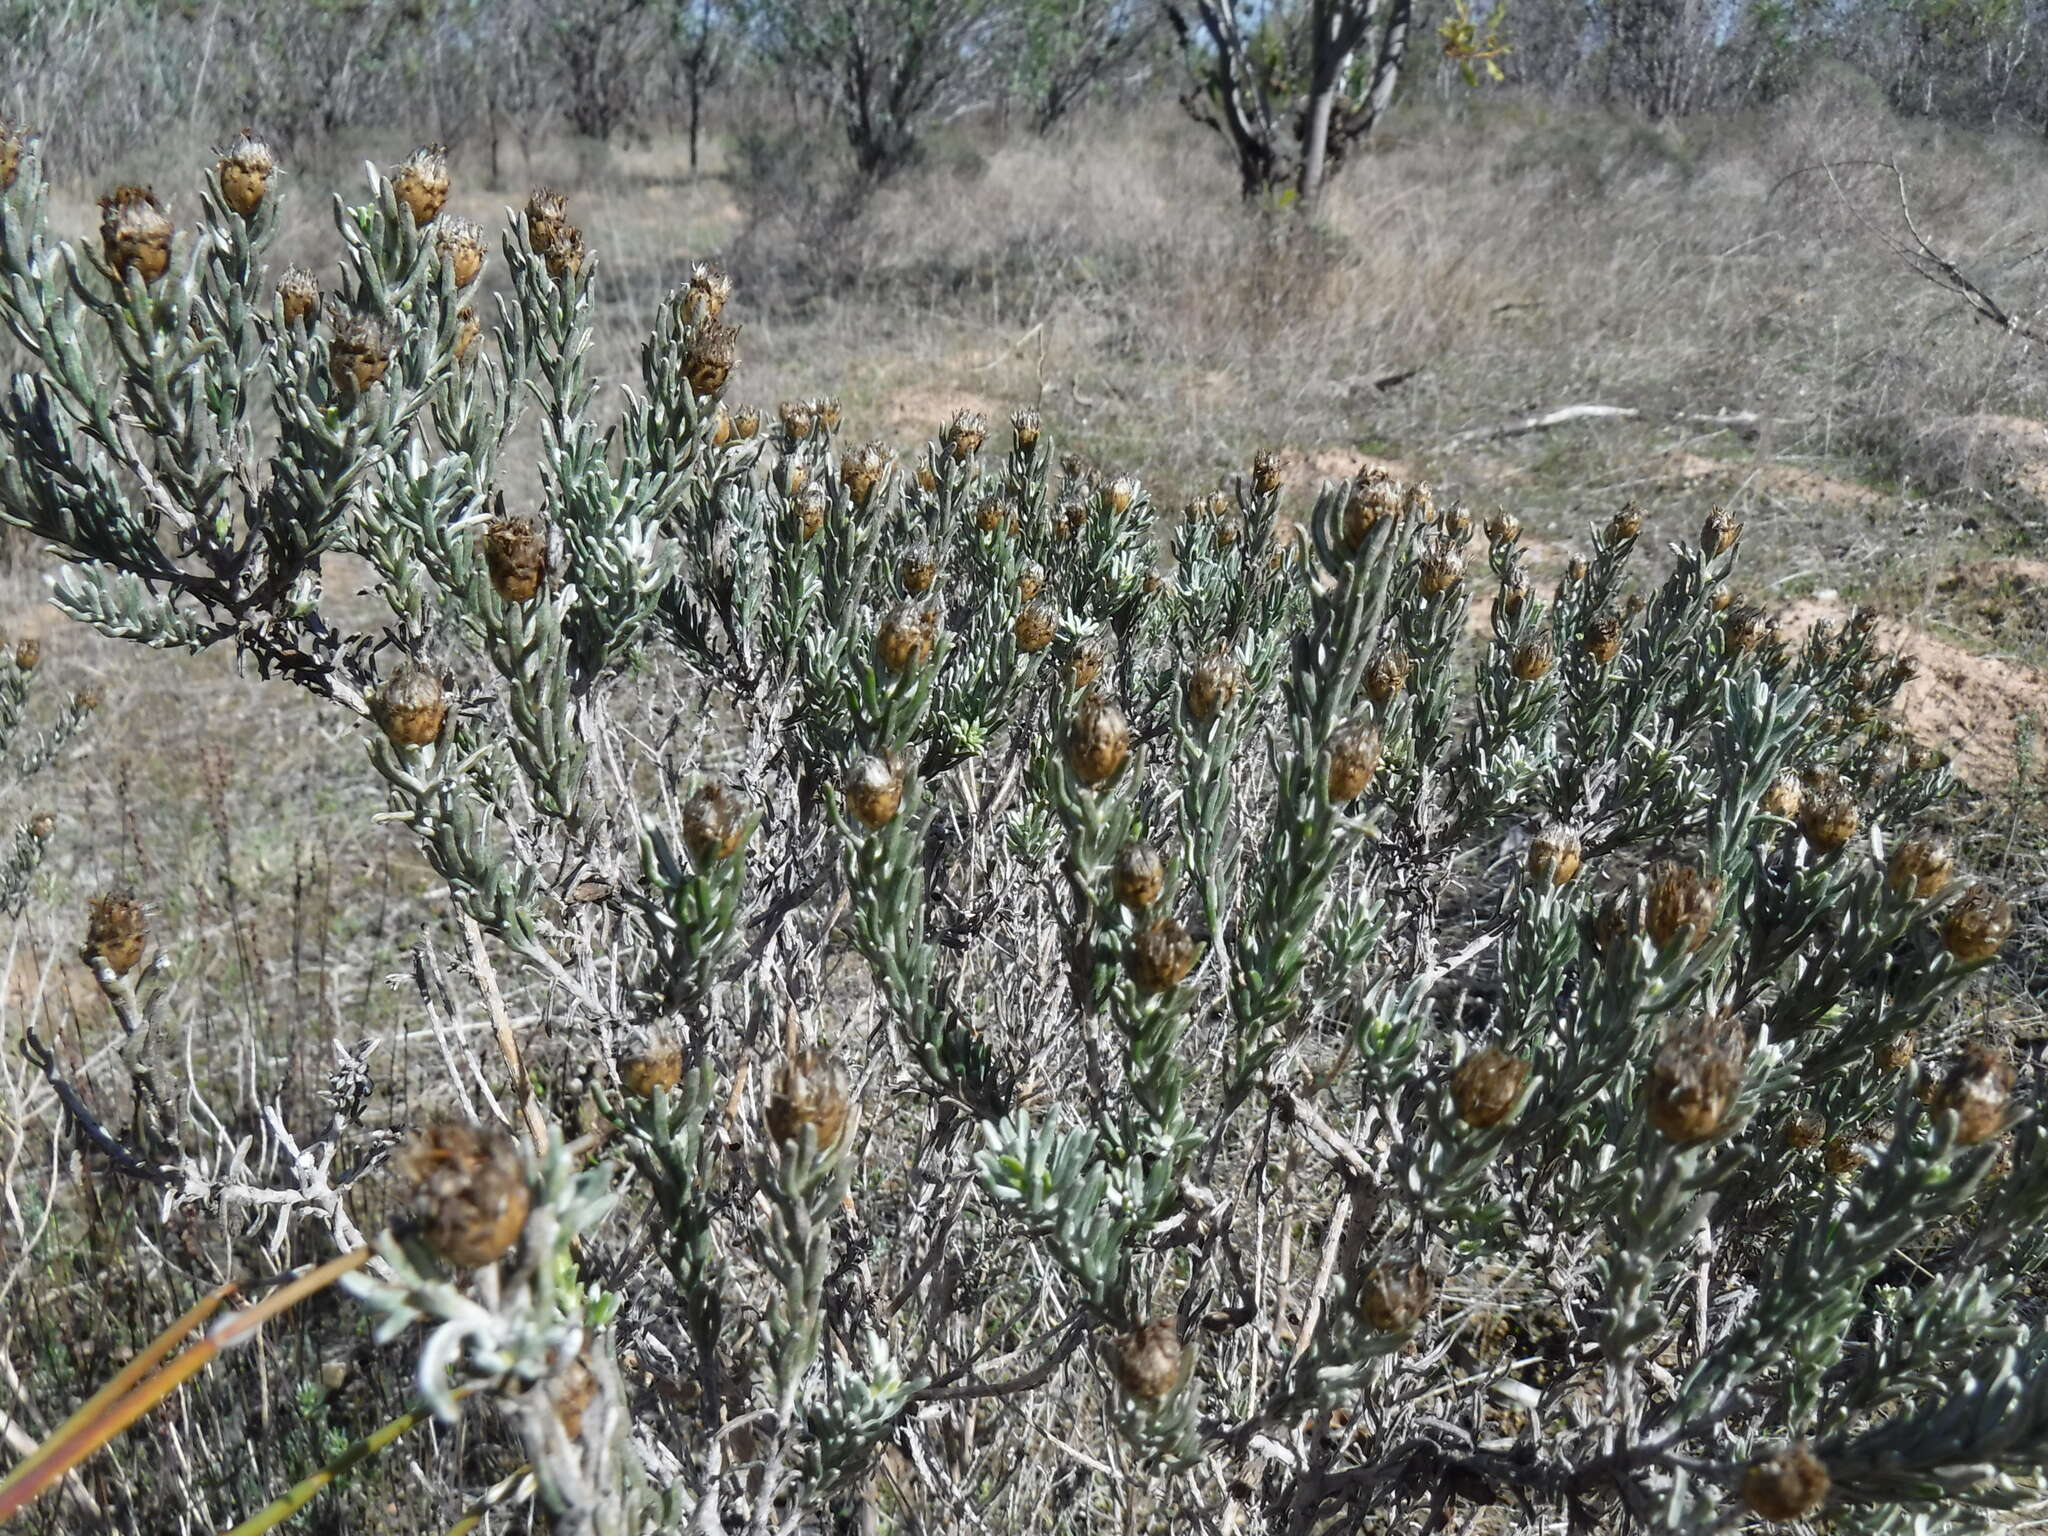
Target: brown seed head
[13, 146]
[1679, 909]
[360, 353]
[1978, 1089]
[746, 423]
[1844, 1156]
[28, 654]
[656, 1063]
[1615, 924]
[1601, 638]
[1625, 525]
[826, 410]
[1788, 1485]
[1742, 629]
[1375, 495]
[917, 570]
[1117, 497]
[1387, 673]
[906, 637]
[1265, 472]
[875, 791]
[704, 297]
[1214, 685]
[1976, 925]
[1694, 1079]
[1896, 1054]
[135, 233]
[809, 508]
[1161, 955]
[1503, 528]
[1085, 665]
[468, 1191]
[1394, 1293]
[810, 1092]
[709, 358]
[1419, 502]
[421, 184]
[714, 823]
[1353, 755]
[86, 699]
[300, 297]
[467, 329]
[411, 707]
[1486, 1087]
[1554, 855]
[245, 168]
[1035, 628]
[1150, 1363]
[1029, 581]
[1719, 532]
[42, 826]
[1919, 869]
[1576, 570]
[115, 931]
[1229, 529]
[1099, 740]
[1532, 660]
[1827, 815]
[1026, 427]
[460, 243]
[964, 435]
[1442, 566]
[796, 419]
[1805, 1131]
[1139, 875]
[1515, 591]
[1785, 795]
[862, 470]
[516, 555]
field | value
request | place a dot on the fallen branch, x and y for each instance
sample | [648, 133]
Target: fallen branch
[1744, 423]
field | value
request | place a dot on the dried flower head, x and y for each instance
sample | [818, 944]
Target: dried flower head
[1214, 685]
[1515, 592]
[1035, 627]
[810, 1094]
[1896, 1054]
[1117, 499]
[1265, 472]
[1788, 1485]
[42, 826]
[1919, 869]
[657, 1062]
[1601, 638]
[245, 168]
[467, 329]
[1554, 855]
[1576, 569]
[1976, 925]
[1099, 740]
[1978, 1089]
[28, 653]
[1827, 814]
[1387, 673]
[1229, 529]
[1742, 629]
[516, 555]
[115, 931]
[1719, 532]
[1804, 1131]
[468, 1191]
[1487, 1085]
[1353, 755]
[875, 791]
[410, 707]
[1614, 925]
[1625, 525]
[1089, 657]
[13, 146]
[917, 570]
[1419, 503]
[1161, 955]
[1152, 1362]
[1503, 528]
[360, 353]
[906, 637]
[714, 823]
[704, 296]
[460, 243]
[1680, 906]
[862, 470]
[1394, 1293]
[1030, 581]
[1026, 427]
[1375, 495]
[746, 423]
[1139, 875]
[709, 358]
[421, 184]
[1532, 660]
[1442, 566]
[809, 509]
[1785, 795]
[299, 296]
[135, 233]
[964, 435]
[1694, 1079]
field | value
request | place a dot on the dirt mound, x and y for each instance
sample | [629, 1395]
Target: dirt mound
[2003, 458]
[1970, 706]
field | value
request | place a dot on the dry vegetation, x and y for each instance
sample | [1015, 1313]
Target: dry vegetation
[1478, 266]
